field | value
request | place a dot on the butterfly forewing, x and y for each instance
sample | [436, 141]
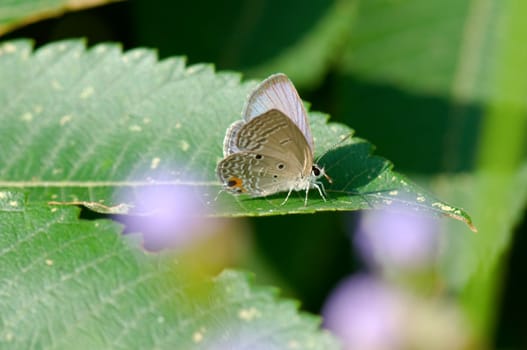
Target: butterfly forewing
[278, 92]
[275, 134]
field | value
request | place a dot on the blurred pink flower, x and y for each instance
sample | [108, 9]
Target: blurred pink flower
[366, 313]
[167, 216]
[400, 239]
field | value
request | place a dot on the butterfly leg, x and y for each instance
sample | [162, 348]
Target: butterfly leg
[287, 197]
[219, 192]
[320, 187]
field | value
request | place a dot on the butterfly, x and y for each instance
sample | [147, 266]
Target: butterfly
[271, 149]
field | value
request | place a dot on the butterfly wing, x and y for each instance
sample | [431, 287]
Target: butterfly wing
[273, 156]
[231, 136]
[278, 92]
[244, 173]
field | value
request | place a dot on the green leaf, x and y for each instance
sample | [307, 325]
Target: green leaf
[80, 126]
[472, 265]
[19, 12]
[422, 76]
[407, 44]
[69, 283]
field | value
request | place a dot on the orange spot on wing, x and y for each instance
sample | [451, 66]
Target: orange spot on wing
[236, 184]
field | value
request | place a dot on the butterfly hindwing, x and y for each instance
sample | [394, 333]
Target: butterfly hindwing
[229, 142]
[272, 156]
[256, 174]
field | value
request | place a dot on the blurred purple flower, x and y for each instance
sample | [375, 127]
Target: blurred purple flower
[367, 314]
[400, 239]
[364, 314]
[168, 216]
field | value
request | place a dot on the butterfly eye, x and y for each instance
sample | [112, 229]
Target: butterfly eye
[258, 156]
[316, 171]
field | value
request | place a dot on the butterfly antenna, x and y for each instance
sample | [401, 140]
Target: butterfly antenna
[330, 180]
[342, 139]
[335, 145]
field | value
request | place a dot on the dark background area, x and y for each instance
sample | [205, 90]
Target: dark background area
[311, 252]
